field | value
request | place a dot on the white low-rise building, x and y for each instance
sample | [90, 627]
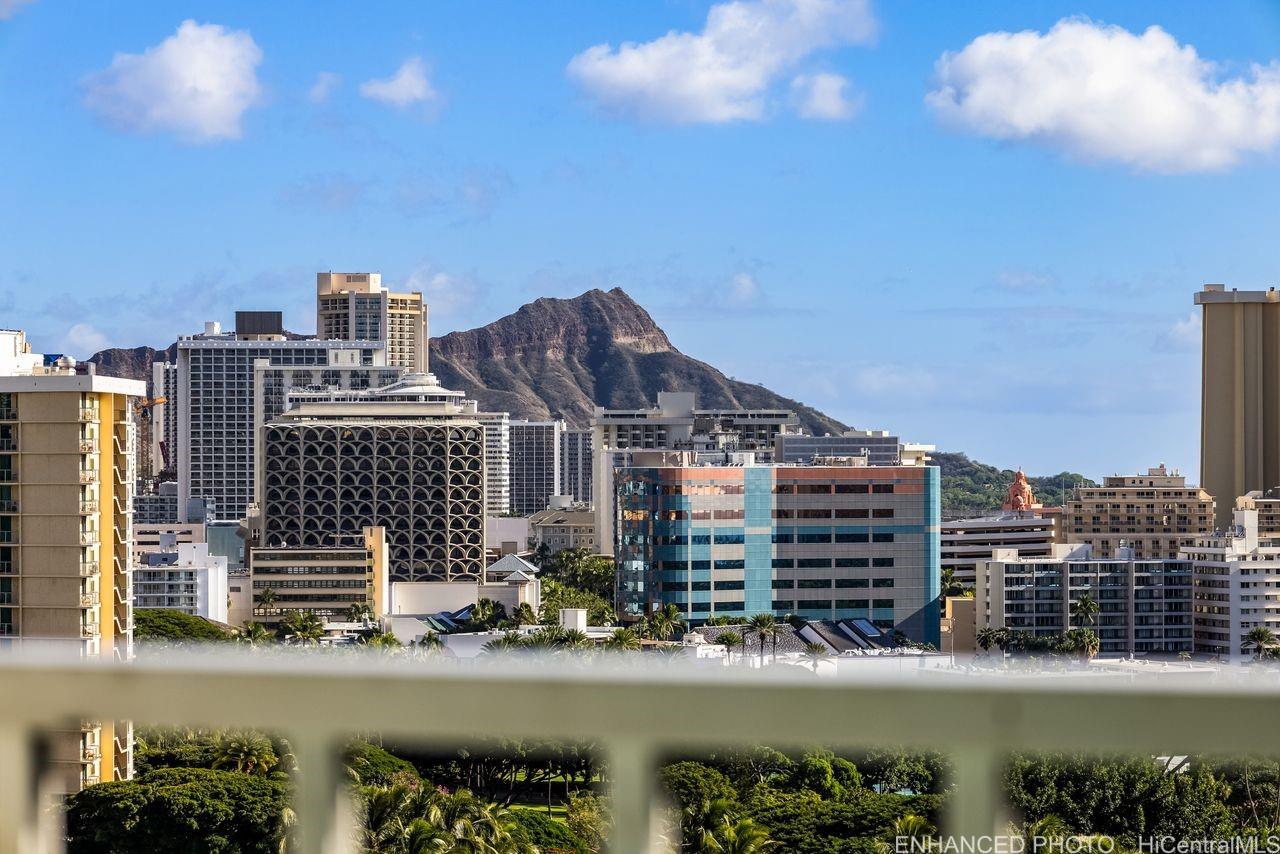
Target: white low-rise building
[183, 578]
[1236, 587]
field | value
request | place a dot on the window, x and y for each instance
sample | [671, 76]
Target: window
[813, 563]
[729, 564]
[882, 488]
[851, 603]
[700, 564]
[730, 606]
[842, 562]
[728, 514]
[783, 584]
[813, 489]
[851, 513]
[813, 514]
[729, 585]
[882, 561]
[699, 540]
[729, 539]
[783, 563]
[882, 513]
[851, 582]
[784, 604]
[852, 538]
[784, 489]
[700, 585]
[881, 603]
[814, 583]
[783, 537]
[851, 489]
[814, 604]
[882, 582]
[782, 513]
[814, 537]
[882, 538]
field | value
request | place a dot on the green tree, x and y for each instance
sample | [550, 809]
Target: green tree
[582, 570]
[951, 586]
[523, 615]
[165, 625]
[359, 612]
[266, 598]
[245, 751]
[911, 826]
[383, 642]
[556, 596]
[486, 613]
[302, 627]
[254, 634]
[744, 836]
[588, 818]
[729, 640]
[816, 652]
[765, 626]
[179, 811]
[1084, 611]
[666, 621]
[430, 644]
[1260, 639]
[622, 640]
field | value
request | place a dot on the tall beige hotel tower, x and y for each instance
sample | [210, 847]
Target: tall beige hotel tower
[67, 457]
[356, 307]
[1240, 394]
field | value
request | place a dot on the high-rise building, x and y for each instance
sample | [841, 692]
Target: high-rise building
[67, 472]
[819, 542]
[576, 464]
[535, 464]
[1144, 606]
[1022, 524]
[322, 580]
[355, 307]
[217, 418]
[164, 419]
[1239, 394]
[497, 462]
[407, 457]
[1236, 586]
[1156, 515]
[182, 577]
[880, 447]
[675, 424]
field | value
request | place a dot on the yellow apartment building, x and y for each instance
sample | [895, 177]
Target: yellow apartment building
[67, 458]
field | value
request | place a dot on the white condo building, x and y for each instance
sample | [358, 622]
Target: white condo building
[497, 462]
[535, 464]
[182, 577]
[1237, 586]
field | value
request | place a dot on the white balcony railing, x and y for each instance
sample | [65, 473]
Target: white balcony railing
[638, 715]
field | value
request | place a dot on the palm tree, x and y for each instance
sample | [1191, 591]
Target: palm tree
[666, 621]
[1261, 639]
[623, 640]
[504, 643]
[430, 644]
[266, 598]
[745, 837]
[911, 826]
[254, 633]
[729, 640]
[702, 823]
[1084, 610]
[383, 809]
[950, 586]
[1045, 830]
[765, 626]
[574, 639]
[383, 642]
[303, 626]
[246, 751]
[359, 612]
[987, 638]
[523, 615]
[816, 652]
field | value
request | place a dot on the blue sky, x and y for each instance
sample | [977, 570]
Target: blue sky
[1005, 267]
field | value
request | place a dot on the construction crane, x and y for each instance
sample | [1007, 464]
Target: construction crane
[143, 407]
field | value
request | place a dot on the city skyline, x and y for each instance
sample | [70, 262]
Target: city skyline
[1042, 273]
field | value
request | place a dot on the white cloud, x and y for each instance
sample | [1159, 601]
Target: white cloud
[1183, 335]
[1025, 281]
[408, 86]
[725, 72]
[8, 8]
[83, 340]
[1103, 93]
[824, 96]
[743, 289]
[197, 84]
[331, 193]
[326, 83]
[453, 299]
[894, 381]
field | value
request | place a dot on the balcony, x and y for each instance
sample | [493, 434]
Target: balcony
[8, 629]
[8, 505]
[8, 414]
[89, 568]
[88, 538]
[8, 567]
[9, 475]
[88, 446]
[8, 536]
[88, 413]
[8, 444]
[88, 600]
[614, 708]
[88, 475]
[88, 507]
[8, 597]
[89, 630]
[90, 753]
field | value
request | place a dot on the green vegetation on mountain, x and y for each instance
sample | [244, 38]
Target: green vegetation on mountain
[971, 488]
